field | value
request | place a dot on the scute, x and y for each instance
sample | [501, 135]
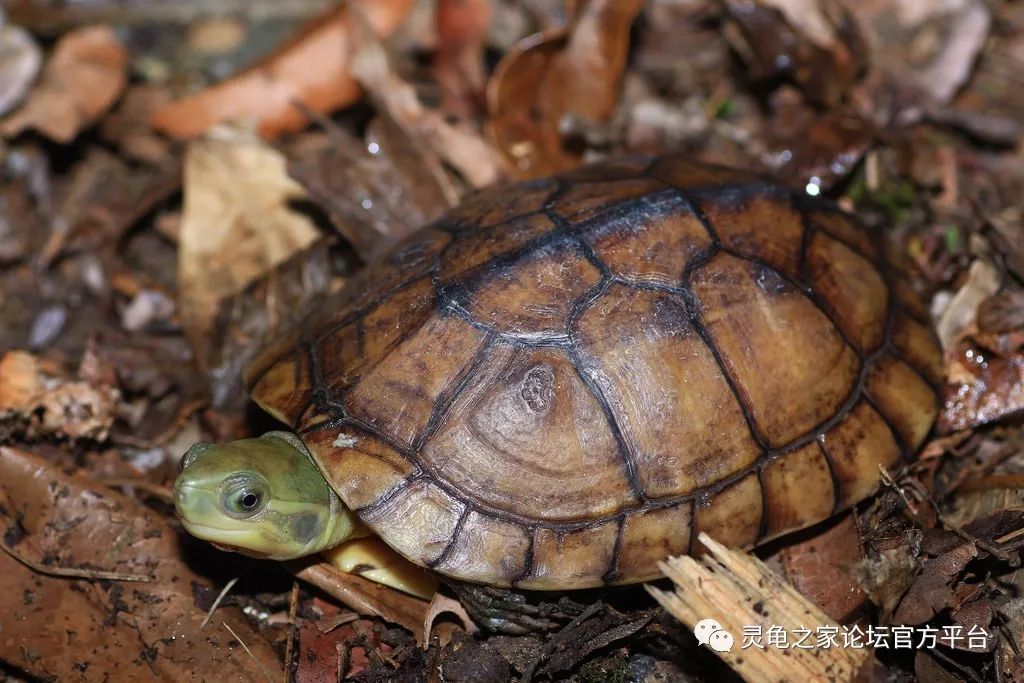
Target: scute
[561, 382]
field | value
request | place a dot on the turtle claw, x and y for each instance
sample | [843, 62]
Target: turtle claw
[503, 610]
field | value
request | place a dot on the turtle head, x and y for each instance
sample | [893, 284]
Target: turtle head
[262, 497]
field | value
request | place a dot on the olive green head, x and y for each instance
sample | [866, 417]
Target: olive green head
[263, 497]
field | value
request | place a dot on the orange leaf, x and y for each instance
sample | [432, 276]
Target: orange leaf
[82, 79]
[312, 69]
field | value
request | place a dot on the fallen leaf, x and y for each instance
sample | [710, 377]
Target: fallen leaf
[820, 564]
[983, 281]
[20, 59]
[312, 70]
[85, 75]
[237, 225]
[431, 135]
[984, 385]
[555, 76]
[129, 125]
[73, 629]
[40, 402]
[814, 43]
[377, 192]
[462, 27]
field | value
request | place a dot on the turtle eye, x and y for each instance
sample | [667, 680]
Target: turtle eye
[244, 497]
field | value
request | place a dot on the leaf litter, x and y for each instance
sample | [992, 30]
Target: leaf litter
[150, 238]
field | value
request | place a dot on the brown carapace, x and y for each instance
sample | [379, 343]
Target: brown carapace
[562, 382]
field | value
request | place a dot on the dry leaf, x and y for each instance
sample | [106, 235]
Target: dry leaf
[85, 74]
[462, 27]
[237, 224]
[959, 315]
[41, 403]
[434, 137]
[312, 70]
[75, 629]
[814, 43]
[20, 59]
[376, 193]
[553, 77]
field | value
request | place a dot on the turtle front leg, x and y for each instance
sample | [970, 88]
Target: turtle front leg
[504, 610]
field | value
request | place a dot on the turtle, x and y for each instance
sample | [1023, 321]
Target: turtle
[561, 382]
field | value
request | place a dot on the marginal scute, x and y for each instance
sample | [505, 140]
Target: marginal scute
[533, 296]
[496, 205]
[919, 346]
[649, 537]
[677, 414]
[285, 389]
[852, 288]
[651, 243]
[487, 549]
[571, 559]
[904, 398]
[359, 466]
[843, 228]
[731, 516]
[419, 521]
[789, 363]
[528, 437]
[399, 395]
[582, 201]
[409, 260]
[687, 174]
[798, 489]
[857, 447]
[474, 249]
[758, 225]
[619, 168]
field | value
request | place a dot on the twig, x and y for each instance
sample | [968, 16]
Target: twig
[216, 603]
[343, 655]
[266, 674]
[72, 572]
[289, 649]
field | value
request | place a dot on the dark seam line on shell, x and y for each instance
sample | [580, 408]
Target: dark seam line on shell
[561, 187]
[339, 396]
[897, 353]
[360, 335]
[626, 456]
[562, 229]
[905, 310]
[612, 574]
[827, 232]
[802, 266]
[362, 311]
[584, 247]
[560, 340]
[444, 404]
[762, 526]
[378, 505]
[905, 453]
[807, 291]
[528, 561]
[741, 402]
[743, 189]
[450, 546]
[831, 472]
[582, 305]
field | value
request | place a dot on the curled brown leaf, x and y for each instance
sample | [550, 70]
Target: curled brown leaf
[553, 77]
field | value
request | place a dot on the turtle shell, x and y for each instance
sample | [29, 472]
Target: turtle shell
[562, 382]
